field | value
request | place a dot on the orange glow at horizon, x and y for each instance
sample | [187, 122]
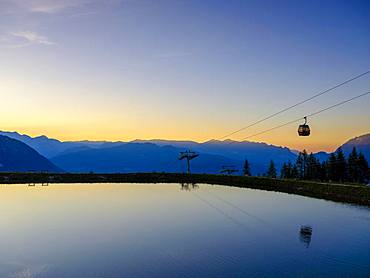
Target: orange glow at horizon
[288, 138]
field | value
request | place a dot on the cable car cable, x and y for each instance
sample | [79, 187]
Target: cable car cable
[297, 104]
[310, 115]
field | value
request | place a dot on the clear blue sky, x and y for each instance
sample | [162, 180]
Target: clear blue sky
[181, 69]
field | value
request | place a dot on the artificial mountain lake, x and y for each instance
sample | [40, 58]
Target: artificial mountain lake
[178, 230]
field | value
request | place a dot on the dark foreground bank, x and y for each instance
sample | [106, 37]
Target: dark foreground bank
[356, 194]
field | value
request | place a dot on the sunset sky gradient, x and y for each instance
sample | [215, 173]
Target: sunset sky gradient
[182, 69]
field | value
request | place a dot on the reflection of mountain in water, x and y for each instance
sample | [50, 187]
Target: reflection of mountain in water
[305, 235]
[189, 186]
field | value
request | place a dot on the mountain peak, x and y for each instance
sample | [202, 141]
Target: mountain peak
[362, 144]
[43, 137]
[360, 140]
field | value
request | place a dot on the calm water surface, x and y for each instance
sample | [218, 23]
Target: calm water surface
[134, 230]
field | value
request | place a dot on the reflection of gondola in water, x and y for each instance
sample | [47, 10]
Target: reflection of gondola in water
[305, 235]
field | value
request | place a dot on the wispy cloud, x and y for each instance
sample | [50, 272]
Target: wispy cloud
[26, 14]
[46, 6]
[49, 6]
[33, 38]
[28, 271]
[23, 39]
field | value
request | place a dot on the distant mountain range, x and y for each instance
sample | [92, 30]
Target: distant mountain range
[88, 155]
[49, 147]
[161, 155]
[259, 155]
[16, 156]
[138, 157]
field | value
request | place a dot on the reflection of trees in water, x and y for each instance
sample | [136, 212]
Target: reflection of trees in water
[305, 235]
[189, 186]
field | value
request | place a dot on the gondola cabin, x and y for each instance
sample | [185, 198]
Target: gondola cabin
[304, 130]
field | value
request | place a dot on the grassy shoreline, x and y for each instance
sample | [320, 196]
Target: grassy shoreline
[355, 194]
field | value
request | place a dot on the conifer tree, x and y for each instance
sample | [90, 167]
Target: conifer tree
[312, 171]
[323, 176]
[331, 167]
[271, 173]
[363, 168]
[302, 164]
[289, 170]
[353, 167]
[341, 166]
[294, 174]
[284, 171]
[246, 168]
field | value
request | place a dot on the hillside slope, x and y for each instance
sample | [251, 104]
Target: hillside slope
[50, 147]
[362, 143]
[259, 155]
[15, 156]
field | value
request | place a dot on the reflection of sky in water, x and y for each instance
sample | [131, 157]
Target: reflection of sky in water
[159, 230]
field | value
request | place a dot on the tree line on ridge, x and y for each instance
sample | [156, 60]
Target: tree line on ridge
[337, 168]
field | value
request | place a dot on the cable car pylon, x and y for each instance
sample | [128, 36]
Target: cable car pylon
[188, 155]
